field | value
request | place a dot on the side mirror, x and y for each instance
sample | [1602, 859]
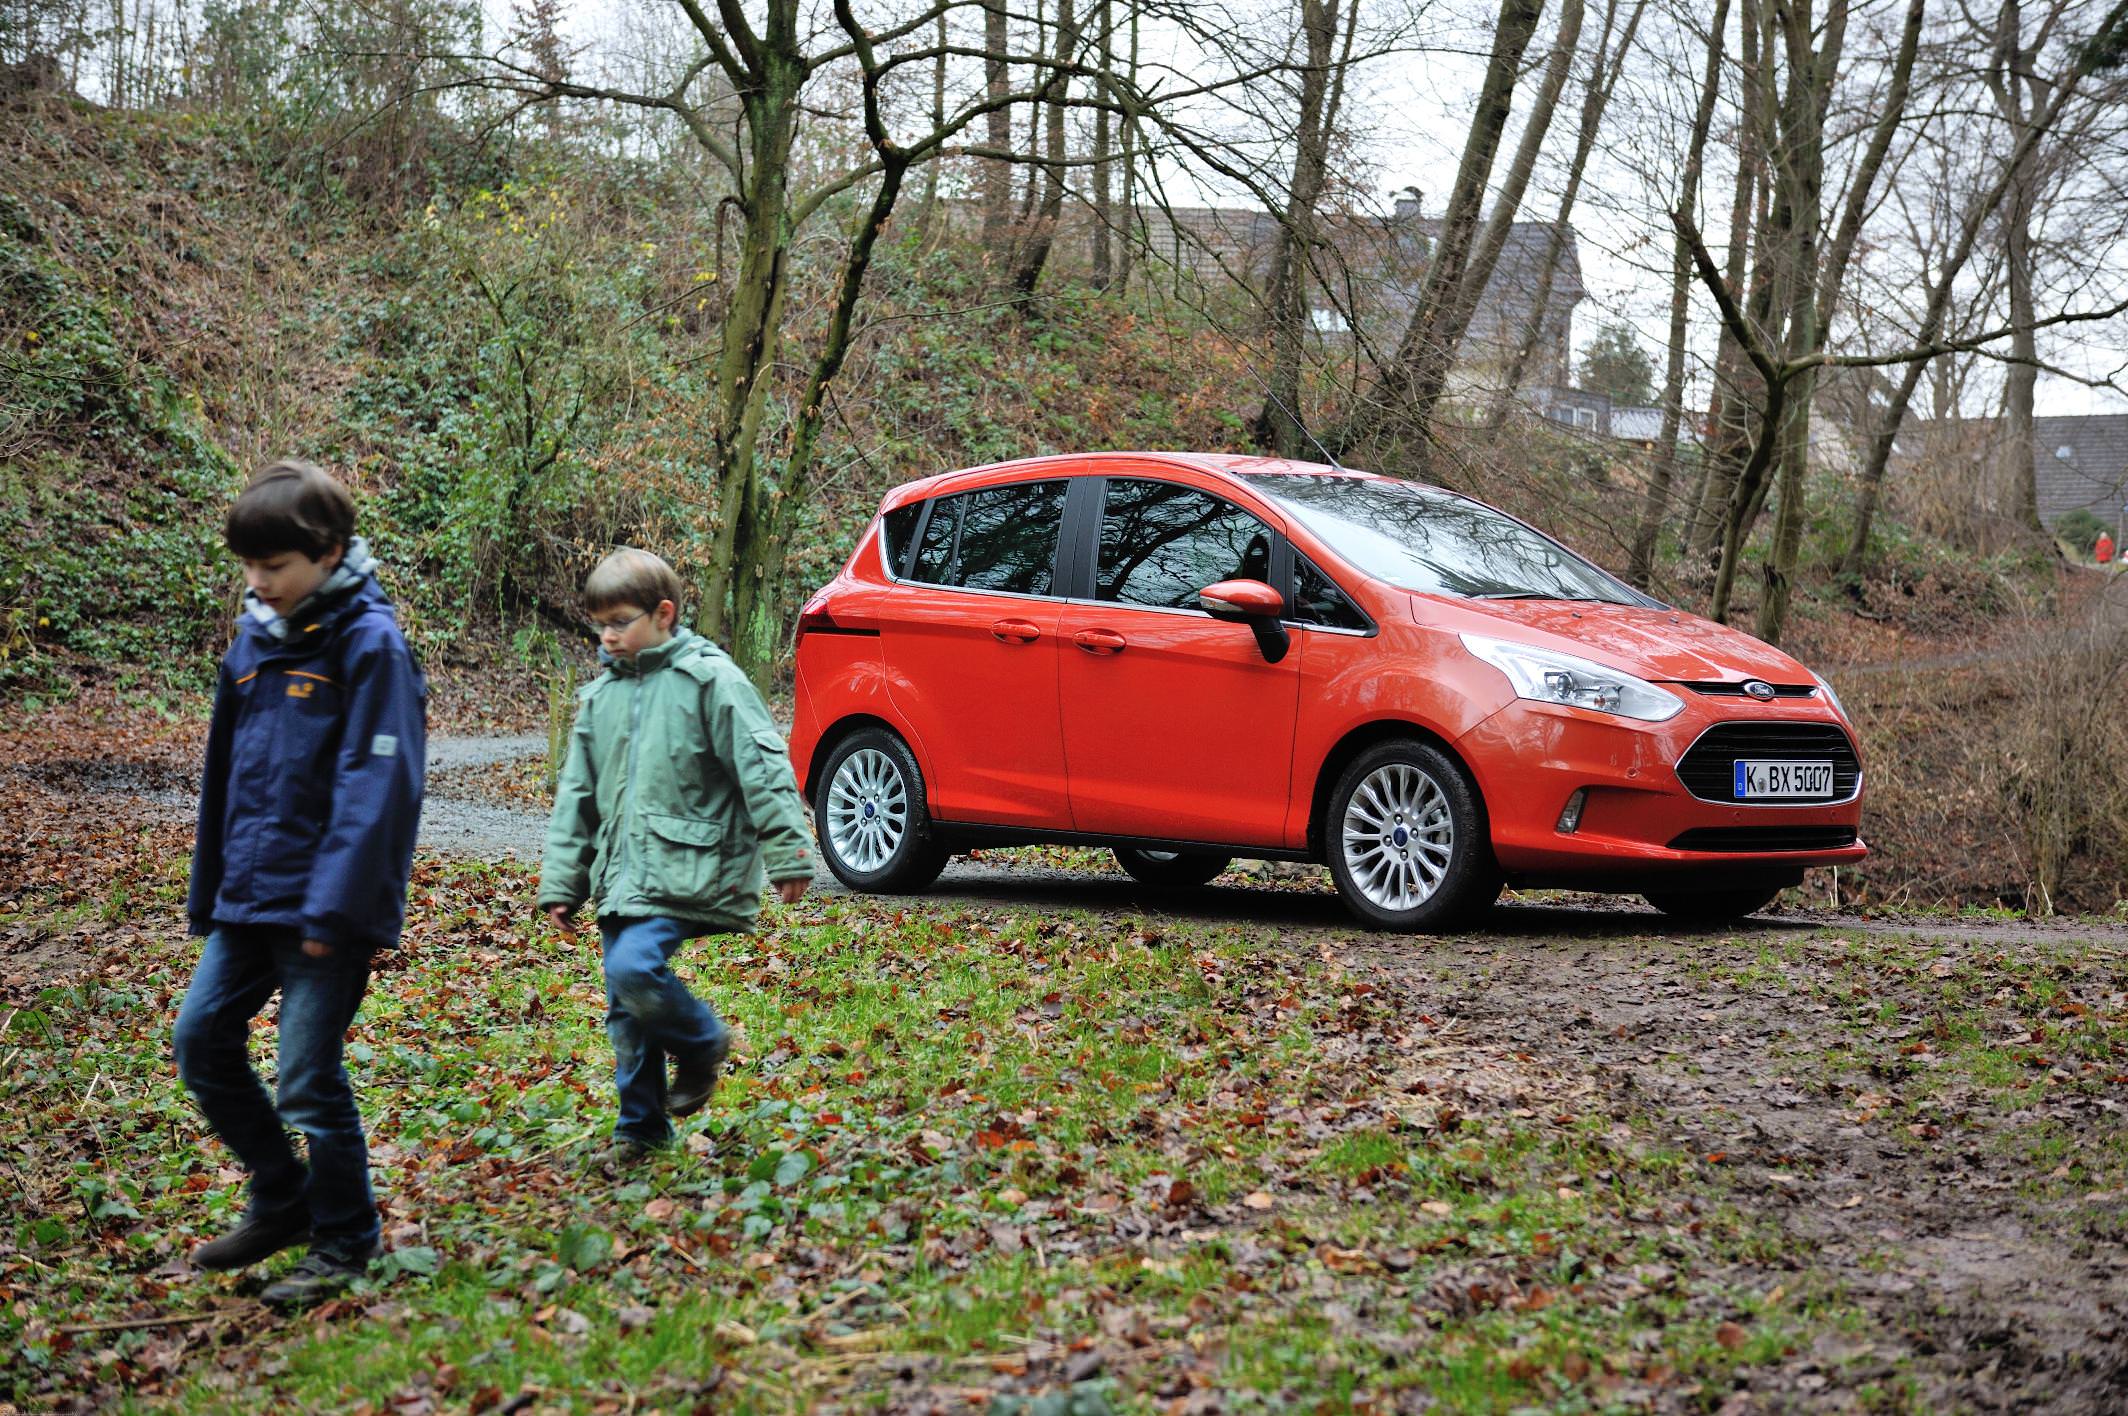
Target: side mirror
[1255, 604]
[1241, 600]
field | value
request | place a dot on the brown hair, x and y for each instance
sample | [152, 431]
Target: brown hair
[290, 505]
[631, 577]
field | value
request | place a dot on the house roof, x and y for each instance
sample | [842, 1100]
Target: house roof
[2080, 462]
[2077, 461]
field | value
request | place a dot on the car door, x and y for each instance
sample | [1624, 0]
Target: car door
[1174, 725]
[970, 642]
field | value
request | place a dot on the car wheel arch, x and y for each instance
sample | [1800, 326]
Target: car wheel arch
[832, 736]
[1359, 740]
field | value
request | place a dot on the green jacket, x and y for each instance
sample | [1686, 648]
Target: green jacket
[677, 792]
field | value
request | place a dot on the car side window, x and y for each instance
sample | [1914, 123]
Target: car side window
[934, 558]
[1318, 601]
[999, 538]
[1162, 543]
[1009, 537]
[900, 525]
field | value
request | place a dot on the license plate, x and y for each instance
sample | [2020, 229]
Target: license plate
[1759, 779]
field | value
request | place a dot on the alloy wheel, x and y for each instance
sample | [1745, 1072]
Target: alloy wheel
[867, 809]
[1398, 836]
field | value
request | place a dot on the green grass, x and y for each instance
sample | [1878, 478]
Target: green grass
[962, 1148]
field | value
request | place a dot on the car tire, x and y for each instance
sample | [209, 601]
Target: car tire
[1408, 842]
[1712, 906]
[871, 817]
[1171, 869]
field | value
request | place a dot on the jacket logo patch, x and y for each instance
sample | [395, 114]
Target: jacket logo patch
[384, 745]
[300, 688]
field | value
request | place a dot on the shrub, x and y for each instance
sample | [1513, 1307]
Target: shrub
[2080, 529]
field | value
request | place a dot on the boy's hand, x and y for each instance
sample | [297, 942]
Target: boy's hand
[791, 891]
[317, 948]
[564, 919]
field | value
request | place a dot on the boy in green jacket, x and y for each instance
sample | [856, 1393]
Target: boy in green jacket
[677, 793]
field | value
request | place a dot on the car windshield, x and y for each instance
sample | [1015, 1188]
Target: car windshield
[1425, 539]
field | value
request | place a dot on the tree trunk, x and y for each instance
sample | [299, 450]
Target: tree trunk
[1286, 296]
[2018, 93]
[1127, 257]
[1641, 563]
[1390, 402]
[997, 171]
[1603, 79]
[1104, 203]
[757, 570]
[1801, 166]
[1041, 235]
[751, 335]
[1735, 380]
[929, 219]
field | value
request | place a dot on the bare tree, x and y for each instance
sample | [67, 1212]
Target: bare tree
[1405, 391]
[1606, 65]
[1640, 564]
[1327, 59]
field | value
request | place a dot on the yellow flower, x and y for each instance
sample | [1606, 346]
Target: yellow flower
[32, 336]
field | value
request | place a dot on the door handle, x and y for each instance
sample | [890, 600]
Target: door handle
[1015, 632]
[1099, 641]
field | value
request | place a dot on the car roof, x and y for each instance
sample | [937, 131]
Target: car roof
[1221, 464]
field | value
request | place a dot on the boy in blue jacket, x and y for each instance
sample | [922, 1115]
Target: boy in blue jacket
[308, 809]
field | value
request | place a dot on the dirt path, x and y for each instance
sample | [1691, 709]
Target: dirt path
[1987, 1298]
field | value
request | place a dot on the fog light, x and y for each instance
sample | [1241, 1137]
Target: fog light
[1570, 819]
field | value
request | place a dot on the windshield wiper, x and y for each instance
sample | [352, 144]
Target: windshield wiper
[1523, 595]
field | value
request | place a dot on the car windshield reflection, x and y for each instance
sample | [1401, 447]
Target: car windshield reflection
[1438, 543]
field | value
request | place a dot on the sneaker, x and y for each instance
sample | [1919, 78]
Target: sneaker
[319, 1276]
[622, 1153]
[694, 1078]
[257, 1237]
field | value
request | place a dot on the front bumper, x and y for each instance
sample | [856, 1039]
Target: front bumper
[1639, 822]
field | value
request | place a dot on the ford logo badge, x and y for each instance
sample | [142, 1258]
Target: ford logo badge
[1758, 689]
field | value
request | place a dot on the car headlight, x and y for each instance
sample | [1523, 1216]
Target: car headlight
[1547, 676]
[1830, 696]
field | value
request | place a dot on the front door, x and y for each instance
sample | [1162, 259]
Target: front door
[1174, 726]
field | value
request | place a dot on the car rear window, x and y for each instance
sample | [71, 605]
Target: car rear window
[999, 538]
[1162, 543]
[900, 526]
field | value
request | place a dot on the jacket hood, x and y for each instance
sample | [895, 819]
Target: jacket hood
[358, 568]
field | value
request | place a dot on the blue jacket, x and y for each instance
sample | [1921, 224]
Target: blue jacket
[312, 791]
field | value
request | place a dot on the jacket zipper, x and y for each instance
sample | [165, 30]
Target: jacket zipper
[635, 738]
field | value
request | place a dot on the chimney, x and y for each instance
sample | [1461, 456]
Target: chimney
[1410, 204]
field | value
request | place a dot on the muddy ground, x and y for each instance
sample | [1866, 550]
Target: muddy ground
[1981, 1285]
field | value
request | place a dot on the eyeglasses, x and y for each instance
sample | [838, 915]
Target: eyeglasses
[615, 626]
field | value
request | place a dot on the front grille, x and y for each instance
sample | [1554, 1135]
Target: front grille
[1765, 838]
[1708, 770]
[1736, 690]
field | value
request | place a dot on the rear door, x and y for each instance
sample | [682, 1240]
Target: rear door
[1174, 726]
[970, 639]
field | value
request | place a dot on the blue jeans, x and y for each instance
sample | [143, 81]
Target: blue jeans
[238, 971]
[650, 1016]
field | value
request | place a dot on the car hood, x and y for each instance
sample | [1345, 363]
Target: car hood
[1652, 643]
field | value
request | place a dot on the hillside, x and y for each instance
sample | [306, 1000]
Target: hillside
[509, 373]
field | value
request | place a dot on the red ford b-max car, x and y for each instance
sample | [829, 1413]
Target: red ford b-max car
[1187, 658]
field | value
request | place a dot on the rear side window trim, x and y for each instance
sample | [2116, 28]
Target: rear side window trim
[1060, 562]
